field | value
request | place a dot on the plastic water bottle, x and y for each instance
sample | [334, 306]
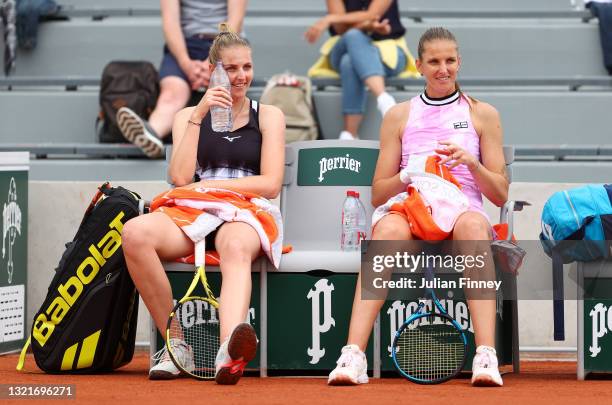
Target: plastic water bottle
[353, 222]
[361, 220]
[220, 117]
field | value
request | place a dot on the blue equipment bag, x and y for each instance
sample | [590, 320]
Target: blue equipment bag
[581, 214]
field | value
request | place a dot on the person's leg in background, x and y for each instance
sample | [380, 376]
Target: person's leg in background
[354, 99]
[353, 91]
[359, 63]
[174, 87]
[603, 11]
[368, 65]
[175, 92]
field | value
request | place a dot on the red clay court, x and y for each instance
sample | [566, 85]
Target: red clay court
[539, 382]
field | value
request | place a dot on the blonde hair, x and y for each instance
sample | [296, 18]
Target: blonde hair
[225, 39]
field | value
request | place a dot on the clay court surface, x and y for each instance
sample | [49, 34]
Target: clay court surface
[538, 383]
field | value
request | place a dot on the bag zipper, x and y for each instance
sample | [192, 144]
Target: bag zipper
[569, 201]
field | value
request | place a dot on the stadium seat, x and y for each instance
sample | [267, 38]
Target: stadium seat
[541, 120]
[316, 6]
[529, 117]
[531, 47]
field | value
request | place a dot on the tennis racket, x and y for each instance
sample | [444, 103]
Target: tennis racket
[430, 347]
[192, 333]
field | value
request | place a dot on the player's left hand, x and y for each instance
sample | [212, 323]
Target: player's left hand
[457, 155]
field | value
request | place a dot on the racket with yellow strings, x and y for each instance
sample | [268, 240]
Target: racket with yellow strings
[192, 332]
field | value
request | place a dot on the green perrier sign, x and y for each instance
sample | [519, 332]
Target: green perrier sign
[597, 324]
[336, 166]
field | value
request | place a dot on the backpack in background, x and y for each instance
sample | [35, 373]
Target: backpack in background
[579, 214]
[293, 95]
[125, 84]
[87, 322]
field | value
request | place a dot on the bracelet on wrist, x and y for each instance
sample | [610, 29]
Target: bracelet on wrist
[197, 124]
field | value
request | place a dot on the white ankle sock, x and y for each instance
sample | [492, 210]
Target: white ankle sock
[384, 102]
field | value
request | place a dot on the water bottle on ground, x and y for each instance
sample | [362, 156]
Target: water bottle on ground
[353, 222]
[220, 117]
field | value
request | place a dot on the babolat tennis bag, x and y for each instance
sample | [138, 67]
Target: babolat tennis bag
[576, 226]
[87, 322]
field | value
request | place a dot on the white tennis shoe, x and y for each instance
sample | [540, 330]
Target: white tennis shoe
[165, 368]
[235, 353]
[484, 368]
[351, 369]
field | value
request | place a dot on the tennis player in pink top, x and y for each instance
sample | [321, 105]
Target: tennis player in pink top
[467, 133]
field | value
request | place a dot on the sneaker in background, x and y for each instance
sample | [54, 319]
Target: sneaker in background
[346, 136]
[137, 131]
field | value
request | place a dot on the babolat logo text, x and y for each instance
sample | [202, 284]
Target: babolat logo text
[336, 163]
[601, 322]
[70, 291]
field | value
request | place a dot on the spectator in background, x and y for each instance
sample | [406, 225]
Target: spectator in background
[189, 26]
[360, 51]
[602, 9]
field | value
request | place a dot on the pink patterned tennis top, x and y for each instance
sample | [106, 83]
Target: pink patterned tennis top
[433, 120]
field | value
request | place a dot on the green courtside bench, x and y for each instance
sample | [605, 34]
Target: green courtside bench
[302, 310]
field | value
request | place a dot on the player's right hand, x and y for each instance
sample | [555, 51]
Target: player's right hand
[216, 96]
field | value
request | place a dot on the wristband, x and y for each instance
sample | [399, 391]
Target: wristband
[405, 176]
[194, 123]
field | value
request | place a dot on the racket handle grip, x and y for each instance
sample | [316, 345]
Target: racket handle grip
[200, 252]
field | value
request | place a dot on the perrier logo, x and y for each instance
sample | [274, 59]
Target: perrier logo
[338, 163]
[336, 166]
[601, 324]
[11, 227]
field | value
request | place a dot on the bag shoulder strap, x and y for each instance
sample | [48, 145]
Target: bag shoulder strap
[22, 356]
